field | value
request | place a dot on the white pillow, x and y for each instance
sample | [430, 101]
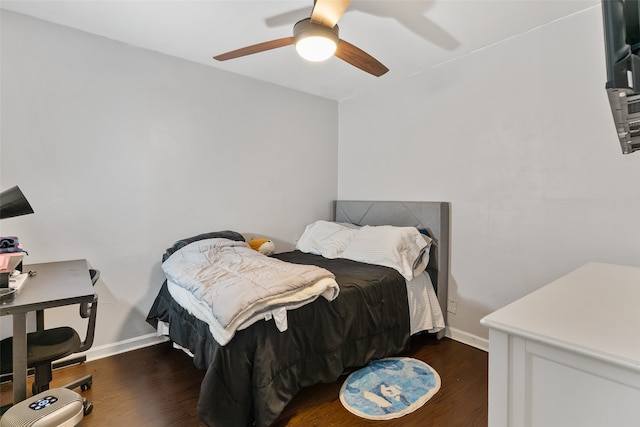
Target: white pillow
[404, 249]
[325, 238]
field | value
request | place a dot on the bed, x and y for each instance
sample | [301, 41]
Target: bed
[250, 379]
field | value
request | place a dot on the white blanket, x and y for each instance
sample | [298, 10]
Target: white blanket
[241, 285]
[424, 310]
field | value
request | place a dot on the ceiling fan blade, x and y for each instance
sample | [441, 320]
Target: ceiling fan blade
[359, 58]
[256, 48]
[328, 12]
[287, 18]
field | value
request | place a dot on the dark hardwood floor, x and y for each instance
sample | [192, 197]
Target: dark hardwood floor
[158, 387]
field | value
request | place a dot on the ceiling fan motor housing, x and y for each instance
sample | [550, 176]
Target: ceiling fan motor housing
[306, 28]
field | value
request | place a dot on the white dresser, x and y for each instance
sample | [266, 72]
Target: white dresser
[568, 354]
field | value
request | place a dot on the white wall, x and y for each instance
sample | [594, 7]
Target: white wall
[519, 137]
[122, 151]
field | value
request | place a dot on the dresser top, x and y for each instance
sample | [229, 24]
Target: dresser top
[594, 310]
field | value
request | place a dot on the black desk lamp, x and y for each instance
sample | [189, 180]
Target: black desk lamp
[12, 203]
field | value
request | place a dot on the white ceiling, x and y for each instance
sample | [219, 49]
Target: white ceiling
[407, 36]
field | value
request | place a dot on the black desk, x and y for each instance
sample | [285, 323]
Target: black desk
[55, 284]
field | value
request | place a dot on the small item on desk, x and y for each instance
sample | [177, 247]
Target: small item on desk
[4, 279]
[9, 244]
[8, 263]
[17, 280]
[7, 295]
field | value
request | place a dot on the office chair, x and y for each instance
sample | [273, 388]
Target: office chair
[44, 346]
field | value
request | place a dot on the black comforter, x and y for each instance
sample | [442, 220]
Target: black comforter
[251, 379]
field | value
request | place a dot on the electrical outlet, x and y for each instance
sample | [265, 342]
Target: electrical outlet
[452, 305]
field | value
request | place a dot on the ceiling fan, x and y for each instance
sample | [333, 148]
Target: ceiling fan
[316, 39]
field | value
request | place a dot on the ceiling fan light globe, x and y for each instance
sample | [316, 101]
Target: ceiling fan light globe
[315, 42]
[316, 48]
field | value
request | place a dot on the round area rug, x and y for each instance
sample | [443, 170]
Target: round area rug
[389, 388]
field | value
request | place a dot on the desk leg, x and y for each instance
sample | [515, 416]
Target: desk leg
[40, 320]
[19, 357]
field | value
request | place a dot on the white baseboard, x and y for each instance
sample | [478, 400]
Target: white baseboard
[467, 338]
[98, 352]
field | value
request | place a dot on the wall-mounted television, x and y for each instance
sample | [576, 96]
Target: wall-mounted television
[622, 46]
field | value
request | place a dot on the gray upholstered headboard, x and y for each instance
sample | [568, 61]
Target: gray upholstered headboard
[433, 216]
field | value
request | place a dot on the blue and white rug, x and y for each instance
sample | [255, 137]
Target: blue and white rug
[389, 388]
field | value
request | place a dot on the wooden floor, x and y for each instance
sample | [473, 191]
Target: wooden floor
[158, 386]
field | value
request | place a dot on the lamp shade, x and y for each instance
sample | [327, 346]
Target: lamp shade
[13, 203]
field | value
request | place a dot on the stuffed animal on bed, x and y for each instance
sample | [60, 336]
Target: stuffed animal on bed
[264, 246]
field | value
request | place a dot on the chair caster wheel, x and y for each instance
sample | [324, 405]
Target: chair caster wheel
[87, 386]
[87, 406]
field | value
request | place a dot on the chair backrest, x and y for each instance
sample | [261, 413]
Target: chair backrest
[95, 275]
[90, 310]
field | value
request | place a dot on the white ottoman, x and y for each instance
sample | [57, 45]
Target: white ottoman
[58, 407]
